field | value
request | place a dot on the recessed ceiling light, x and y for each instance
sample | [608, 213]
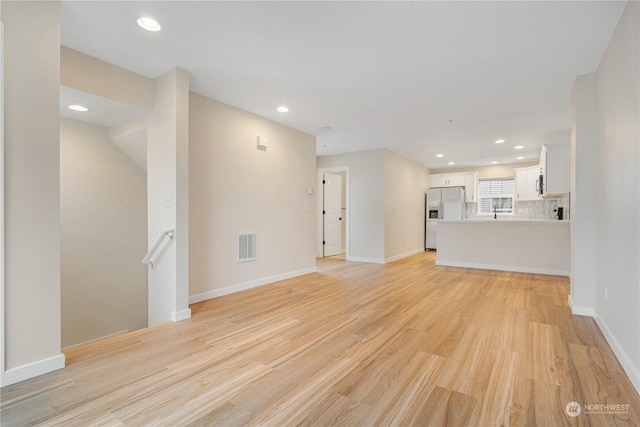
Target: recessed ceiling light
[78, 107]
[451, 163]
[494, 163]
[519, 147]
[149, 24]
[283, 109]
[520, 157]
[500, 141]
[439, 155]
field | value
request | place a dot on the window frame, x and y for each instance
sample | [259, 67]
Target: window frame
[511, 196]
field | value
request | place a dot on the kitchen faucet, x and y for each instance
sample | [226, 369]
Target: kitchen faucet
[495, 211]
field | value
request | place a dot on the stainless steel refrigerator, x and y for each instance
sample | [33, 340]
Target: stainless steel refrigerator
[442, 204]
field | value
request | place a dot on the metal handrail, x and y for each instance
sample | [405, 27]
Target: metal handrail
[170, 233]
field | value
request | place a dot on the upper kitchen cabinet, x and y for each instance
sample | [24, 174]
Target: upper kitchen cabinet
[468, 180]
[471, 187]
[447, 180]
[528, 183]
[554, 168]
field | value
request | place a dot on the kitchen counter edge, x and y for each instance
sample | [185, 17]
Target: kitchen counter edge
[507, 221]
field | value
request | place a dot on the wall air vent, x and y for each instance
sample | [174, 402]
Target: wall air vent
[247, 247]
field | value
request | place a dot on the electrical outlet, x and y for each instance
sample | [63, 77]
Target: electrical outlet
[293, 254]
[460, 248]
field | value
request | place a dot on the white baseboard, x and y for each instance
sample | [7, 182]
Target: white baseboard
[31, 370]
[622, 356]
[362, 259]
[624, 359]
[248, 285]
[404, 255]
[177, 316]
[579, 310]
[516, 269]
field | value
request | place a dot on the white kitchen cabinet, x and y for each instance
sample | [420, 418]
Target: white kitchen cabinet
[447, 180]
[527, 183]
[471, 187]
[439, 180]
[555, 166]
[468, 180]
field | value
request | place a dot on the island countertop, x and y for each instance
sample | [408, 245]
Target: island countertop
[531, 246]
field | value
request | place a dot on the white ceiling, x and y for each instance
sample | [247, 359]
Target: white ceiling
[419, 78]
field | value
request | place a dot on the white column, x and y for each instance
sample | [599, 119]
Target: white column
[168, 198]
[584, 194]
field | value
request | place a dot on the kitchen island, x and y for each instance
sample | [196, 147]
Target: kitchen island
[530, 246]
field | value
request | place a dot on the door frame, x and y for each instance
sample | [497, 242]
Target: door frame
[319, 203]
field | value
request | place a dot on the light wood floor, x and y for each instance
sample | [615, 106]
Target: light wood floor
[406, 343]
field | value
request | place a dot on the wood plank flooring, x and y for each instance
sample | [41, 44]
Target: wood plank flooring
[402, 344]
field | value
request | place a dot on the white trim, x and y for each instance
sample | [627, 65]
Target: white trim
[517, 269]
[404, 255]
[319, 205]
[624, 359]
[115, 334]
[34, 369]
[580, 310]
[249, 285]
[362, 259]
[178, 316]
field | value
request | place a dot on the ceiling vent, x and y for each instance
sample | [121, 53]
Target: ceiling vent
[247, 247]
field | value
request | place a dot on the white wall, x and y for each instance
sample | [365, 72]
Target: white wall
[405, 186]
[236, 188]
[584, 193]
[366, 207]
[168, 197]
[617, 293]
[386, 210]
[32, 191]
[103, 226]
[606, 240]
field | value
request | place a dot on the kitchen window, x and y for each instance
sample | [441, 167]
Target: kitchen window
[496, 195]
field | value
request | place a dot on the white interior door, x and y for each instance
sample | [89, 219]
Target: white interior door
[332, 214]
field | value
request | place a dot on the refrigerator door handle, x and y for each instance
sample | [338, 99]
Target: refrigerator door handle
[441, 210]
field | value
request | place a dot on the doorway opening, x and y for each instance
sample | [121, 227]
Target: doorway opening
[103, 218]
[333, 213]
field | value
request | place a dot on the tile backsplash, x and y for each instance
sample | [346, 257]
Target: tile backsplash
[534, 209]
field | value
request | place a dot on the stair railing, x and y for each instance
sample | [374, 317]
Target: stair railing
[150, 257]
